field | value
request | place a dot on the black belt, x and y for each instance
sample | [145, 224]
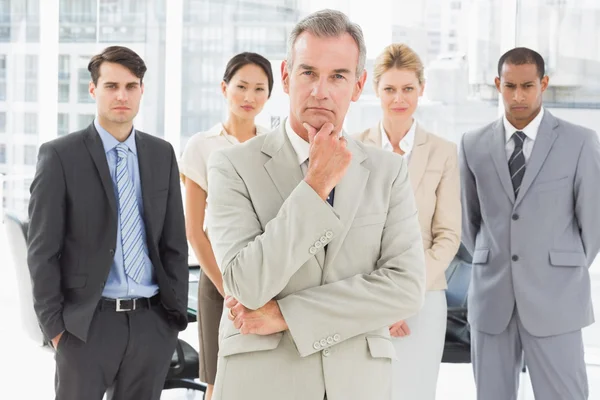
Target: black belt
[123, 305]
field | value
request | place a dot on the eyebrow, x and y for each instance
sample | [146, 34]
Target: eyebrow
[246, 83]
[116, 83]
[335, 71]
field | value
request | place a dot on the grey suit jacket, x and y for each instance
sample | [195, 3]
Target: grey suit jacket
[268, 229]
[73, 229]
[533, 251]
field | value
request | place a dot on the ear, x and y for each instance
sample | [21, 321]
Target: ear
[422, 89]
[359, 86]
[497, 83]
[285, 77]
[142, 88]
[92, 90]
[224, 89]
[545, 82]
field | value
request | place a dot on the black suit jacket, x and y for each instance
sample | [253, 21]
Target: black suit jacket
[73, 229]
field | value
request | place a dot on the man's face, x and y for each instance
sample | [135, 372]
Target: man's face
[322, 81]
[521, 89]
[117, 94]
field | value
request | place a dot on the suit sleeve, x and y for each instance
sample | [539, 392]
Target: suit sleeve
[446, 222]
[366, 302]
[45, 240]
[587, 196]
[471, 212]
[173, 246]
[257, 262]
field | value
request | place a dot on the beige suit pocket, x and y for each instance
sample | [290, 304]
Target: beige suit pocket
[239, 343]
[480, 256]
[366, 220]
[381, 347]
[567, 259]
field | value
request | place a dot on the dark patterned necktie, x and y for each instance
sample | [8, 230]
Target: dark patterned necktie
[516, 163]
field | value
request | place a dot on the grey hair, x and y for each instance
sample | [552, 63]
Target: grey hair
[329, 23]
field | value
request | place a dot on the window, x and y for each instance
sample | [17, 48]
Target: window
[84, 120]
[2, 153]
[64, 77]
[2, 76]
[2, 122]
[63, 124]
[83, 82]
[29, 154]
[30, 123]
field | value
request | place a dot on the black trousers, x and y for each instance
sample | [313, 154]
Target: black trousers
[127, 356]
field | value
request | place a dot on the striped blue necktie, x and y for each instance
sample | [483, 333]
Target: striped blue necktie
[132, 237]
[516, 162]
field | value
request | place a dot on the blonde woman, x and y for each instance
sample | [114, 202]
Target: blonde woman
[433, 170]
[246, 85]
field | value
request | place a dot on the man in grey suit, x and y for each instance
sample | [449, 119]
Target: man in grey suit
[107, 249]
[314, 276]
[531, 220]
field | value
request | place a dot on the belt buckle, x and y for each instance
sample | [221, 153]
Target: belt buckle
[122, 309]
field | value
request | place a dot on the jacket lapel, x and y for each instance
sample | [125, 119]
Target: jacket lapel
[146, 165]
[498, 152]
[282, 166]
[348, 195]
[95, 147]
[419, 157]
[541, 148]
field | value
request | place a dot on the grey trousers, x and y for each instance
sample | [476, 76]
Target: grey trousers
[127, 356]
[555, 364]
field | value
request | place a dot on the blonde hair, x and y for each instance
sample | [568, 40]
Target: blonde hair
[400, 56]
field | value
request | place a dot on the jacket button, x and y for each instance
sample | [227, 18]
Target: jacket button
[112, 252]
[515, 217]
[515, 258]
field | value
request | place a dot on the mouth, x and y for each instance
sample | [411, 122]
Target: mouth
[399, 109]
[248, 108]
[121, 108]
[318, 109]
[519, 108]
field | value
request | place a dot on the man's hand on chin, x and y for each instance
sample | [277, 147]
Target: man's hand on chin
[264, 321]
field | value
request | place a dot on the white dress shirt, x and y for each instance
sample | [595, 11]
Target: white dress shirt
[301, 147]
[530, 131]
[407, 142]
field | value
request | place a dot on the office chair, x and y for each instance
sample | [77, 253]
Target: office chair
[16, 234]
[457, 347]
[184, 369]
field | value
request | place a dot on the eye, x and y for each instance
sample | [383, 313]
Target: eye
[241, 87]
[409, 89]
[338, 76]
[388, 89]
[261, 89]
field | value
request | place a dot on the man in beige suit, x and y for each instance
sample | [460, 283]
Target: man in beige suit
[313, 276]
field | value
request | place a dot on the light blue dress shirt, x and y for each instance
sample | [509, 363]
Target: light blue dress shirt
[119, 285]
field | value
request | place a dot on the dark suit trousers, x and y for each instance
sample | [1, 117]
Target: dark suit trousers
[127, 355]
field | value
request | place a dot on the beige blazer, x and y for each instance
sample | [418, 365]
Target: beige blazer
[434, 174]
[269, 230]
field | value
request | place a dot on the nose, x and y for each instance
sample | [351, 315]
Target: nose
[249, 96]
[320, 89]
[122, 95]
[518, 95]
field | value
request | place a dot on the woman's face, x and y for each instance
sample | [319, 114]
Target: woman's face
[247, 91]
[399, 91]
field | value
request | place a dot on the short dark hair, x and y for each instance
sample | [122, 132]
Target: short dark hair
[241, 60]
[118, 55]
[520, 56]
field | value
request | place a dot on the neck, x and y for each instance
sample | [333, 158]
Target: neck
[242, 129]
[396, 130]
[119, 131]
[522, 123]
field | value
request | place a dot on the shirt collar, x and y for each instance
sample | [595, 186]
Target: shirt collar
[407, 142]
[301, 147]
[531, 130]
[110, 142]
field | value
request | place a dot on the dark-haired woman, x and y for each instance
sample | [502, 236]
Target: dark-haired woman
[247, 85]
